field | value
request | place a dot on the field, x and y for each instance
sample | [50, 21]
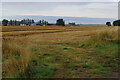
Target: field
[86, 51]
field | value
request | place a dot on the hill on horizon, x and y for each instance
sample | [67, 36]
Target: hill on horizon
[52, 19]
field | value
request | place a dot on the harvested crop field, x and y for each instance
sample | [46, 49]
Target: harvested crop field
[86, 51]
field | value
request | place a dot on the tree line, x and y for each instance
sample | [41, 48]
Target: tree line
[115, 23]
[59, 22]
[28, 22]
[43, 22]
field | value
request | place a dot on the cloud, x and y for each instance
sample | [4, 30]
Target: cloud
[59, 0]
[74, 9]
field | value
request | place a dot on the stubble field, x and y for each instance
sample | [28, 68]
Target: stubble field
[86, 51]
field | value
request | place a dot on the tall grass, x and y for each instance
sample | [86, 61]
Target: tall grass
[105, 45]
[101, 39]
[16, 59]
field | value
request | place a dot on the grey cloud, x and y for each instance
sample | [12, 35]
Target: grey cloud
[61, 9]
[60, 0]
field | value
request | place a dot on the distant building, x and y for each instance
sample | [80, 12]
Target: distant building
[35, 24]
[72, 24]
[23, 25]
[51, 24]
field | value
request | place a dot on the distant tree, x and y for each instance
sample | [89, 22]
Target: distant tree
[116, 23]
[21, 22]
[43, 21]
[15, 23]
[4, 22]
[10, 22]
[60, 22]
[28, 22]
[47, 23]
[24, 21]
[108, 23]
[39, 21]
[33, 21]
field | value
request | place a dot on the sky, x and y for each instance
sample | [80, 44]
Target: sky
[59, 0]
[72, 9]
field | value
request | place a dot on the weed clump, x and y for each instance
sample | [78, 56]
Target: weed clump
[15, 60]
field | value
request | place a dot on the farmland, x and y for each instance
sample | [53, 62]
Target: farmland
[86, 51]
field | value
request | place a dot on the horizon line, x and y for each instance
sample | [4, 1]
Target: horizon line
[59, 16]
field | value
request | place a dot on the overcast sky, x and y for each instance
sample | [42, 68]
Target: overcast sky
[59, 0]
[73, 9]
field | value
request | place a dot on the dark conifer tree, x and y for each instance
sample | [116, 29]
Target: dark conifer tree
[10, 22]
[33, 21]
